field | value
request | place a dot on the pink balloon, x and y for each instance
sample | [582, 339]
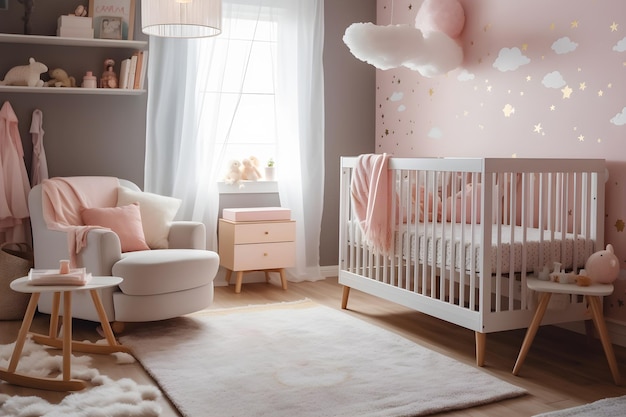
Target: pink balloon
[445, 16]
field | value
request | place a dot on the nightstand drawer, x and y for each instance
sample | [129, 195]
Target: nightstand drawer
[266, 232]
[263, 256]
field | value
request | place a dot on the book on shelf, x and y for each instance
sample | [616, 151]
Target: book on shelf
[138, 69]
[131, 71]
[144, 69]
[124, 72]
[76, 276]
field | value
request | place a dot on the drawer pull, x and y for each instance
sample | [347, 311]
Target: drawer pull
[265, 254]
[267, 233]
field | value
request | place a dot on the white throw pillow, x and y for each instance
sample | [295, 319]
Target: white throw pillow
[157, 213]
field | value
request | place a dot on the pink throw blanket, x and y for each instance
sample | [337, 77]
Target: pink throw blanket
[371, 200]
[63, 199]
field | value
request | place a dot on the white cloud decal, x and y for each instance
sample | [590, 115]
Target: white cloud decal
[396, 96]
[620, 118]
[401, 108]
[553, 80]
[435, 133]
[564, 45]
[465, 75]
[510, 59]
[620, 46]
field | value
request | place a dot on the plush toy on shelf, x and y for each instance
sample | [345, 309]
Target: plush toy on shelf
[59, 78]
[28, 75]
[233, 176]
[249, 171]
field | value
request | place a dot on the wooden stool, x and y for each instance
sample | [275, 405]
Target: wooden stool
[592, 294]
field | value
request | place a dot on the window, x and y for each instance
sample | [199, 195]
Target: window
[240, 100]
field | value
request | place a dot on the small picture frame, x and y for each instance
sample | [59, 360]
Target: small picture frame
[110, 27]
[112, 19]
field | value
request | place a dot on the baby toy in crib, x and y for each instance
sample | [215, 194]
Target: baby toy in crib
[602, 267]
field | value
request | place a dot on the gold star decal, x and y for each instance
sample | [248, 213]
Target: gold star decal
[552, 107]
[614, 27]
[487, 27]
[574, 24]
[528, 78]
[582, 86]
[431, 92]
[508, 110]
[552, 26]
[581, 138]
[619, 225]
[567, 91]
[600, 93]
[524, 47]
[489, 88]
[609, 85]
[538, 128]
[410, 6]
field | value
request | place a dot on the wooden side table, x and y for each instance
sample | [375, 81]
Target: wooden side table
[592, 293]
[267, 246]
[66, 383]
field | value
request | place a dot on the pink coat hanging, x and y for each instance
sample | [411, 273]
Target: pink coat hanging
[39, 166]
[14, 185]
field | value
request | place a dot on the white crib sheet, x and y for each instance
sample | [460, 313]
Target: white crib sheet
[571, 252]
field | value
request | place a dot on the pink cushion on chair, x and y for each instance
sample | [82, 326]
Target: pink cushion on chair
[125, 221]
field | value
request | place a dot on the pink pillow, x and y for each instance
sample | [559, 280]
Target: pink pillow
[125, 221]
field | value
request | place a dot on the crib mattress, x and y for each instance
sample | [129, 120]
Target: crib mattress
[512, 249]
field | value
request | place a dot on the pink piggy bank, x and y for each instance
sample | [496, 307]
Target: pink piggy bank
[603, 266]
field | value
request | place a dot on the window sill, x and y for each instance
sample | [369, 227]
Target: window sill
[248, 187]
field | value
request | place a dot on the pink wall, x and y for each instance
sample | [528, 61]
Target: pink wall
[539, 79]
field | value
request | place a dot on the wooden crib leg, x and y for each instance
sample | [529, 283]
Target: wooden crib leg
[481, 343]
[344, 297]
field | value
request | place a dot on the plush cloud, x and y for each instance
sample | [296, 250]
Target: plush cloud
[394, 46]
[553, 80]
[564, 45]
[620, 118]
[510, 59]
[620, 46]
[429, 46]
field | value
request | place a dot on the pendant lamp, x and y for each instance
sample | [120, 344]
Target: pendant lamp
[181, 18]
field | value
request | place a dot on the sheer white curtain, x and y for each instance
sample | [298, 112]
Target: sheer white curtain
[184, 149]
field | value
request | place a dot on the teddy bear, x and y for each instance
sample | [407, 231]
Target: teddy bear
[601, 267]
[233, 176]
[249, 171]
[29, 75]
[59, 78]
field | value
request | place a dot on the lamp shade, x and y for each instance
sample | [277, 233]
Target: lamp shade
[181, 18]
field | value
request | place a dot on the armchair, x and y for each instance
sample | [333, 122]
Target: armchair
[158, 283]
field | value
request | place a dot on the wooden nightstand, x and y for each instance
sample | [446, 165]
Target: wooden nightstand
[268, 246]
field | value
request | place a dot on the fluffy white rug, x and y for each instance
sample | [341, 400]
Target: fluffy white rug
[608, 407]
[105, 397]
[306, 360]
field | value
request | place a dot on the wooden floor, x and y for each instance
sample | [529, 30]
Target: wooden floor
[563, 369]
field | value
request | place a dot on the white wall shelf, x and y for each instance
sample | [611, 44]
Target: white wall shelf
[70, 90]
[61, 41]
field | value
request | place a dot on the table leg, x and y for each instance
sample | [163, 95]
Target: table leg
[532, 331]
[21, 337]
[67, 335]
[54, 315]
[598, 319]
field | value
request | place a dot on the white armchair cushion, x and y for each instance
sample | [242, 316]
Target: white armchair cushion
[157, 214]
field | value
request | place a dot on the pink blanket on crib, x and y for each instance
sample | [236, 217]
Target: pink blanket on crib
[64, 198]
[371, 200]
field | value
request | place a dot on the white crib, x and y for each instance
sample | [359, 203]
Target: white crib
[467, 232]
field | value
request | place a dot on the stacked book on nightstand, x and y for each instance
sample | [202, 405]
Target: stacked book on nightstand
[70, 26]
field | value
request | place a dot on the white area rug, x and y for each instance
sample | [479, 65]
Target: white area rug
[608, 407]
[306, 360]
[105, 397]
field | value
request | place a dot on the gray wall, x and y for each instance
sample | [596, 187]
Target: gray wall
[105, 135]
